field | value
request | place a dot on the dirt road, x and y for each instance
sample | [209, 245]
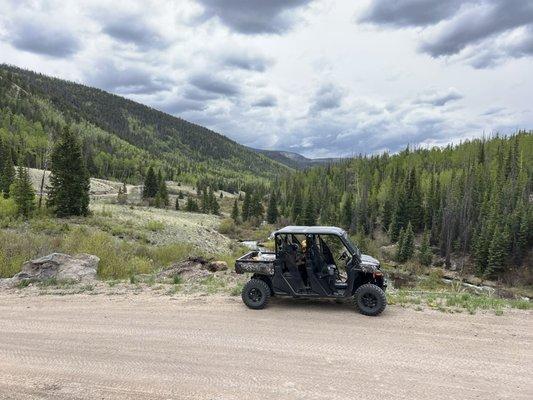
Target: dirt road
[148, 347]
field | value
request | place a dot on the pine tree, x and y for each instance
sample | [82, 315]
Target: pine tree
[406, 244]
[347, 211]
[400, 245]
[272, 210]
[386, 212]
[69, 179]
[402, 210]
[150, 184]
[257, 209]
[8, 173]
[522, 238]
[497, 251]
[481, 247]
[235, 212]
[297, 208]
[394, 229]
[215, 207]
[22, 192]
[409, 242]
[246, 205]
[413, 206]
[2, 159]
[309, 217]
[192, 205]
[481, 152]
[205, 203]
[162, 191]
[425, 255]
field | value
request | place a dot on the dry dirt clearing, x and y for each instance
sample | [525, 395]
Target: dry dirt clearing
[150, 347]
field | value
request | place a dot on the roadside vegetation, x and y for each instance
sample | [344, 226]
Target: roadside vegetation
[455, 302]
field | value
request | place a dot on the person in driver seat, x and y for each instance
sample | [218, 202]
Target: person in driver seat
[301, 261]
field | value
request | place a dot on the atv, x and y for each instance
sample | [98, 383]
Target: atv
[313, 262]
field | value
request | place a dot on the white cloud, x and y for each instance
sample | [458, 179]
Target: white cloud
[297, 75]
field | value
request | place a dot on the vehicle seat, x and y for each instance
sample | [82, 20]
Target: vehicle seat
[289, 260]
[325, 273]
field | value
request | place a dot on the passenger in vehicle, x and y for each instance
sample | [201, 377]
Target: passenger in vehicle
[301, 260]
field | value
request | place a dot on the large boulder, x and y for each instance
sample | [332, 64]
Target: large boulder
[80, 268]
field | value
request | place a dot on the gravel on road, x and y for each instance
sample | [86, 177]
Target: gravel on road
[213, 347]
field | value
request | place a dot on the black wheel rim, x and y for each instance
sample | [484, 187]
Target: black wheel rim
[255, 295]
[369, 300]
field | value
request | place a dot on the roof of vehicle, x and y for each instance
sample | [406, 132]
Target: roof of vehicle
[318, 230]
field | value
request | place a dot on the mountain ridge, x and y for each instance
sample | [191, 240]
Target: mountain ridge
[296, 160]
[118, 132]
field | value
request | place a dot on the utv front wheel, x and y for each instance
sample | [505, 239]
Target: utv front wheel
[370, 299]
[255, 294]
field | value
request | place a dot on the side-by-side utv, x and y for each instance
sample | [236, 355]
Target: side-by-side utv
[313, 262]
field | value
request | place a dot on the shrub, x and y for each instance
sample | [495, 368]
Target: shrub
[8, 208]
[167, 254]
[117, 259]
[155, 226]
[49, 226]
[16, 248]
[227, 227]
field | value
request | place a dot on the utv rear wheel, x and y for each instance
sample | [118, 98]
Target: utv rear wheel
[370, 299]
[255, 294]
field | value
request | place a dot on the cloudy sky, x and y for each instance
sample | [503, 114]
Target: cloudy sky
[319, 77]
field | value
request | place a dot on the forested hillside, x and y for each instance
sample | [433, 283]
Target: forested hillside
[120, 137]
[473, 199]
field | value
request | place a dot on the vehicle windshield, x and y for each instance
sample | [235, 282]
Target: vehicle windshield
[352, 248]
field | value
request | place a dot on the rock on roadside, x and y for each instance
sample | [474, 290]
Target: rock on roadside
[193, 267]
[78, 268]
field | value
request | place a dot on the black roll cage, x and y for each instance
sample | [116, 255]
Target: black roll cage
[355, 253]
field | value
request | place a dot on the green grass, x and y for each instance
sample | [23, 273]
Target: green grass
[16, 248]
[23, 283]
[117, 258]
[48, 225]
[455, 302]
[8, 208]
[165, 255]
[213, 284]
[155, 226]
[173, 290]
[237, 289]
[60, 283]
[227, 227]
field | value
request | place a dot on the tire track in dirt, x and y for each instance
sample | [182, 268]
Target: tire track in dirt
[147, 347]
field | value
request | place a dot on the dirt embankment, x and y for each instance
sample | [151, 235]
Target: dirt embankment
[149, 347]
